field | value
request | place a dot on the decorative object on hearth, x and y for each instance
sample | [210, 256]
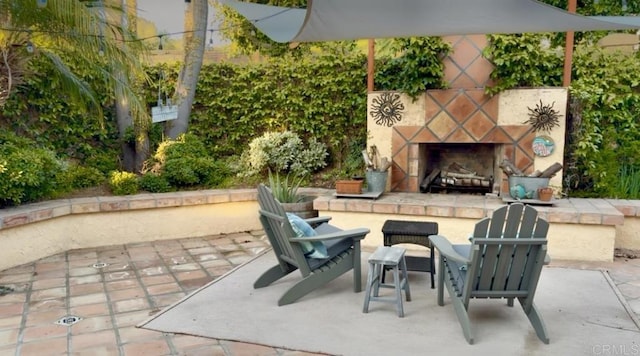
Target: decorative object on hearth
[377, 167]
[387, 109]
[543, 146]
[543, 117]
[531, 183]
[545, 193]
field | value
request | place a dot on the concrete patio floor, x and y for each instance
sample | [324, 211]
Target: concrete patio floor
[111, 289]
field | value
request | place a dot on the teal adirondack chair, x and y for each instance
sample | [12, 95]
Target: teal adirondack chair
[503, 260]
[343, 249]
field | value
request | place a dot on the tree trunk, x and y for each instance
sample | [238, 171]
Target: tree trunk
[195, 27]
[133, 153]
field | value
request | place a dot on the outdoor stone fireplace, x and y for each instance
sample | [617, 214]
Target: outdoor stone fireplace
[463, 125]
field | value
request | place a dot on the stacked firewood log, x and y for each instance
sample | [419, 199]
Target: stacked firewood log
[512, 171]
[455, 175]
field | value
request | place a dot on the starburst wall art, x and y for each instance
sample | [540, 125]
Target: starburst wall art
[387, 109]
[543, 117]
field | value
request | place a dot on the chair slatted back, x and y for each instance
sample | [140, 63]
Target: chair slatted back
[507, 254]
[278, 229]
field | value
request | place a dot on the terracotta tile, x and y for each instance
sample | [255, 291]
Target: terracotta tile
[161, 301]
[442, 125]
[432, 109]
[122, 284]
[182, 276]
[445, 211]
[35, 333]
[160, 279]
[463, 81]
[425, 136]
[75, 301]
[83, 271]
[11, 309]
[132, 318]
[9, 337]
[85, 280]
[479, 125]
[147, 347]
[10, 322]
[99, 342]
[451, 72]
[442, 96]
[238, 348]
[184, 267]
[461, 107]
[91, 325]
[401, 159]
[496, 135]
[132, 334]
[406, 132]
[15, 278]
[51, 293]
[479, 71]
[129, 305]
[516, 132]
[90, 310]
[57, 346]
[49, 304]
[163, 288]
[121, 294]
[385, 208]
[460, 136]
[464, 53]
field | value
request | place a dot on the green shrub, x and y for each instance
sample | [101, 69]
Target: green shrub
[154, 183]
[123, 183]
[78, 177]
[284, 152]
[185, 162]
[27, 172]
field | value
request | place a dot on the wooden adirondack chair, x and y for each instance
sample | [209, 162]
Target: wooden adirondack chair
[343, 247]
[504, 260]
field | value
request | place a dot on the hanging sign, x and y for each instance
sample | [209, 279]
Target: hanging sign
[162, 112]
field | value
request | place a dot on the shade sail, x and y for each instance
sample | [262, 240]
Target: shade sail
[328, 20]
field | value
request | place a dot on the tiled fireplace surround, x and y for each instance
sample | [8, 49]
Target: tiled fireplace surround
[465, 114]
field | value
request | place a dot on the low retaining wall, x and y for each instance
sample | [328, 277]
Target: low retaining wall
[35, 231]
[581, 229]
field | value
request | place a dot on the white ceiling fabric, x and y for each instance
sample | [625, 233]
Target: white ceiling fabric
[328, 20]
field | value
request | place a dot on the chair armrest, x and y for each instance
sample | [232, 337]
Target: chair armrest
[445, 248]
[357, 234]
[318, 220]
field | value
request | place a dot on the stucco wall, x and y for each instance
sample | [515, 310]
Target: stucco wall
[566, 241]
[32, 241]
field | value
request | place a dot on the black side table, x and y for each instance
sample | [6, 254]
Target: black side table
[413, 232]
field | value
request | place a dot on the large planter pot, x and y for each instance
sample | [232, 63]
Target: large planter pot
[376, 181]
[303, 209]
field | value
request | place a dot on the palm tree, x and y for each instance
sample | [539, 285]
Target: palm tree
[71, 33]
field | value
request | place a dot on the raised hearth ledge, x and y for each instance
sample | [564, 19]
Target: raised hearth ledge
[37, 230]
[581, 229]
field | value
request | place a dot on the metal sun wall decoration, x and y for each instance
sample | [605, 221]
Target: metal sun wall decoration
[543, 117]
[387, 109]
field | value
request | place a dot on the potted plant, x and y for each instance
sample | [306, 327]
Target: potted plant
[285, 190]
[545, 193]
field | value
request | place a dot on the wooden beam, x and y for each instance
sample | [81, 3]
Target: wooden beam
[568, 50]
[371, 65]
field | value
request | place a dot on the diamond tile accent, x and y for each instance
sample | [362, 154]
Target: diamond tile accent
[401, 159]
[425, 136]
[479, 71]
[407, 131]
[442, 97]
[461, 107]
[464, 53]
[479, 125]
[442, 125]
[462, 136]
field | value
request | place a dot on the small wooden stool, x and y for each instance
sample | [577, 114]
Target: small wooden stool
[391, 257]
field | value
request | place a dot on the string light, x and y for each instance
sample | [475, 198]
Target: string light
[43, 3]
